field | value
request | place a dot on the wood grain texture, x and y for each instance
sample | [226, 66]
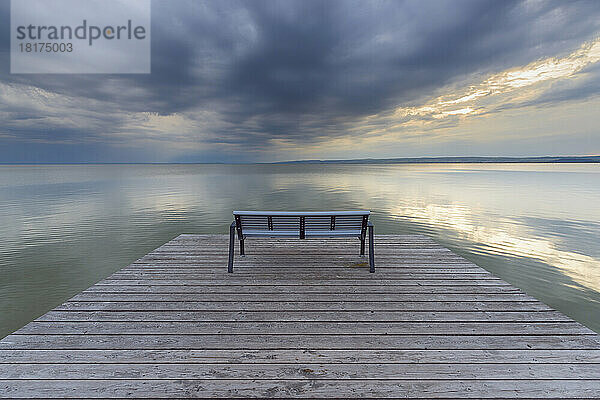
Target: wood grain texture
[297, 371]
[356, 316]
[301, 319]
[282, 356]
[303, 388]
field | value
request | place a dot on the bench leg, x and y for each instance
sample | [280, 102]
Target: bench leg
[371, 250]
[231, 248]
[362, 247]
[242, 252]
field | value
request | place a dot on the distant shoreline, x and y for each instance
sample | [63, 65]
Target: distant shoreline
[455, 160]
[402, 160]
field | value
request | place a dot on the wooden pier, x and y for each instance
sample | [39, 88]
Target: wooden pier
[302, 319]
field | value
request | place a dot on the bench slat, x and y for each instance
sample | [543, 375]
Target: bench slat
[296, 233]
[300, 213]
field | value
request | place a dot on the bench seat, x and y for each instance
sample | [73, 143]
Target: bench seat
[301, 225]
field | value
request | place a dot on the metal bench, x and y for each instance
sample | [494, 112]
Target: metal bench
[302, 225]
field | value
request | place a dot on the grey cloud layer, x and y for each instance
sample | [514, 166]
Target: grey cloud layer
[300, 71]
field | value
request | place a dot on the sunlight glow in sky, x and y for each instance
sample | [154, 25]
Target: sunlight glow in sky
[516, 83]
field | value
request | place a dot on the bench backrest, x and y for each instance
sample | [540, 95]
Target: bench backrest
[301, 224]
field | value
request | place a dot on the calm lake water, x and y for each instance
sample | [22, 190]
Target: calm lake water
[64, 227]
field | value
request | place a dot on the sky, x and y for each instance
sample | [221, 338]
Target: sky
[261, 81]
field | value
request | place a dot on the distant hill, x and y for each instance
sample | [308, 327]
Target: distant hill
[458, 160]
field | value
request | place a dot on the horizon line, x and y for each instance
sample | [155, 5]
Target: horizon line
[405, 160]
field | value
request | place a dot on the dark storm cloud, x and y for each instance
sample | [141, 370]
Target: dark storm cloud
[304, 70]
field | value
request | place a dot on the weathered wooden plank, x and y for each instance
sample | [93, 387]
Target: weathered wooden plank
[313, 297]
[276, 258]
[218, 268]
[400, 238]
[288, 315]
[381, 240]
[299, 248]
[304, 327]
[295, 246]
[305, 306]
[299, 289]
[301, 251]
[271, 257]
[308, 253]
[190, 237]
[285, 260]
[279, 356]
[356, 388]
[303, 341]
[283, 281]
[300, 371]
[304, 252]
[275, 274]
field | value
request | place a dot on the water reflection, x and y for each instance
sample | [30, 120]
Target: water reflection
[65, 227]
